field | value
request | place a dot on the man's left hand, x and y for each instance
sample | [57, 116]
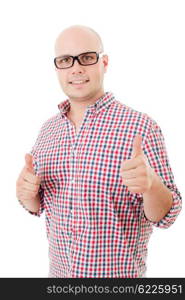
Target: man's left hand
[136, 172]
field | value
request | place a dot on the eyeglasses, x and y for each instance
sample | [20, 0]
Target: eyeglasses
[84, 59]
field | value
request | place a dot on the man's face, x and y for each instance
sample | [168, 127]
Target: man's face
[74, 42]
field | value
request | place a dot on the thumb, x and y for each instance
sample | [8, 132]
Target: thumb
[29, 162]
[137, 146]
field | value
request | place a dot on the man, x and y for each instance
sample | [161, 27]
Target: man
[99, 169]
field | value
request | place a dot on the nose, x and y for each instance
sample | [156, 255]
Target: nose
[77, 68]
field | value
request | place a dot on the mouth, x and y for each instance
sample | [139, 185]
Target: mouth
[78, 82]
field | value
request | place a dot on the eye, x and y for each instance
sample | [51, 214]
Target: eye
[87, 57]
[65, 60]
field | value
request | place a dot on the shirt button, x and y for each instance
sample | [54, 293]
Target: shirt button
[72, 181]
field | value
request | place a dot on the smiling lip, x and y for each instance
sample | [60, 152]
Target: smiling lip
[78, 82]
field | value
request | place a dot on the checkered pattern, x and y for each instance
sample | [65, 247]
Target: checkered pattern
[95, 226]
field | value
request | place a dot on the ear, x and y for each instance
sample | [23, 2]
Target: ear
[105, 60]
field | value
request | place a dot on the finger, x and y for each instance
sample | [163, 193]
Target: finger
[137, 146]
[132, 173]
[129, 174]
[29, 163]
[135, 189]
[131, 163]
[133, 181]
[29, 186]
[27, 176]
[28, 192]
[26, 195]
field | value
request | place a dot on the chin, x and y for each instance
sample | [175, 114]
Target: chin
[79, 94]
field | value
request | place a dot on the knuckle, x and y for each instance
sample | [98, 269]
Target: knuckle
[143, 181]
[36, 179]
[33, 193]
[17, 183]
[29, 194]
[36, 188]
[141, 160]
[143, 171]
[18, 188]
[17, 195]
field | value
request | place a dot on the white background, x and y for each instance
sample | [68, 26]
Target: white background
[146, 46]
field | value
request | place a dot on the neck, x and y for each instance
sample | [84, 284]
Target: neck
[78, 106]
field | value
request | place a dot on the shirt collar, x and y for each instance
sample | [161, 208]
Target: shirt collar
[103, 102]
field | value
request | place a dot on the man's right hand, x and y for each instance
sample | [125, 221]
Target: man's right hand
[27, 186]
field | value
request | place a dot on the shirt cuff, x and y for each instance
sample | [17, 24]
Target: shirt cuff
[171, 216]
[41, 208]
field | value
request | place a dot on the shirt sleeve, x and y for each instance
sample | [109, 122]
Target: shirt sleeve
[155, 149]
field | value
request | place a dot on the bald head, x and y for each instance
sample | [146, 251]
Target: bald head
[81, 82]
[77, 37]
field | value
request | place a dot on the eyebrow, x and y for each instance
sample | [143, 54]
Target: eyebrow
[64, 55]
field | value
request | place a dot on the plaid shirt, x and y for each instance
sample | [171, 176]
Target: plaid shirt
[95, 226]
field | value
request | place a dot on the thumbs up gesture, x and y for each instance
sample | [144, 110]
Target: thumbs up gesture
[27, 185]
[29, 163]
[136, 172]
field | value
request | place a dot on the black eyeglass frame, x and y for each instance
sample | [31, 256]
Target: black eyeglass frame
[77, 58]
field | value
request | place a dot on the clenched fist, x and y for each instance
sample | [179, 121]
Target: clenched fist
[136, 172]
[27, 186]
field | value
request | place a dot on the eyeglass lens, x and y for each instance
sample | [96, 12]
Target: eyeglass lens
[84, 58]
